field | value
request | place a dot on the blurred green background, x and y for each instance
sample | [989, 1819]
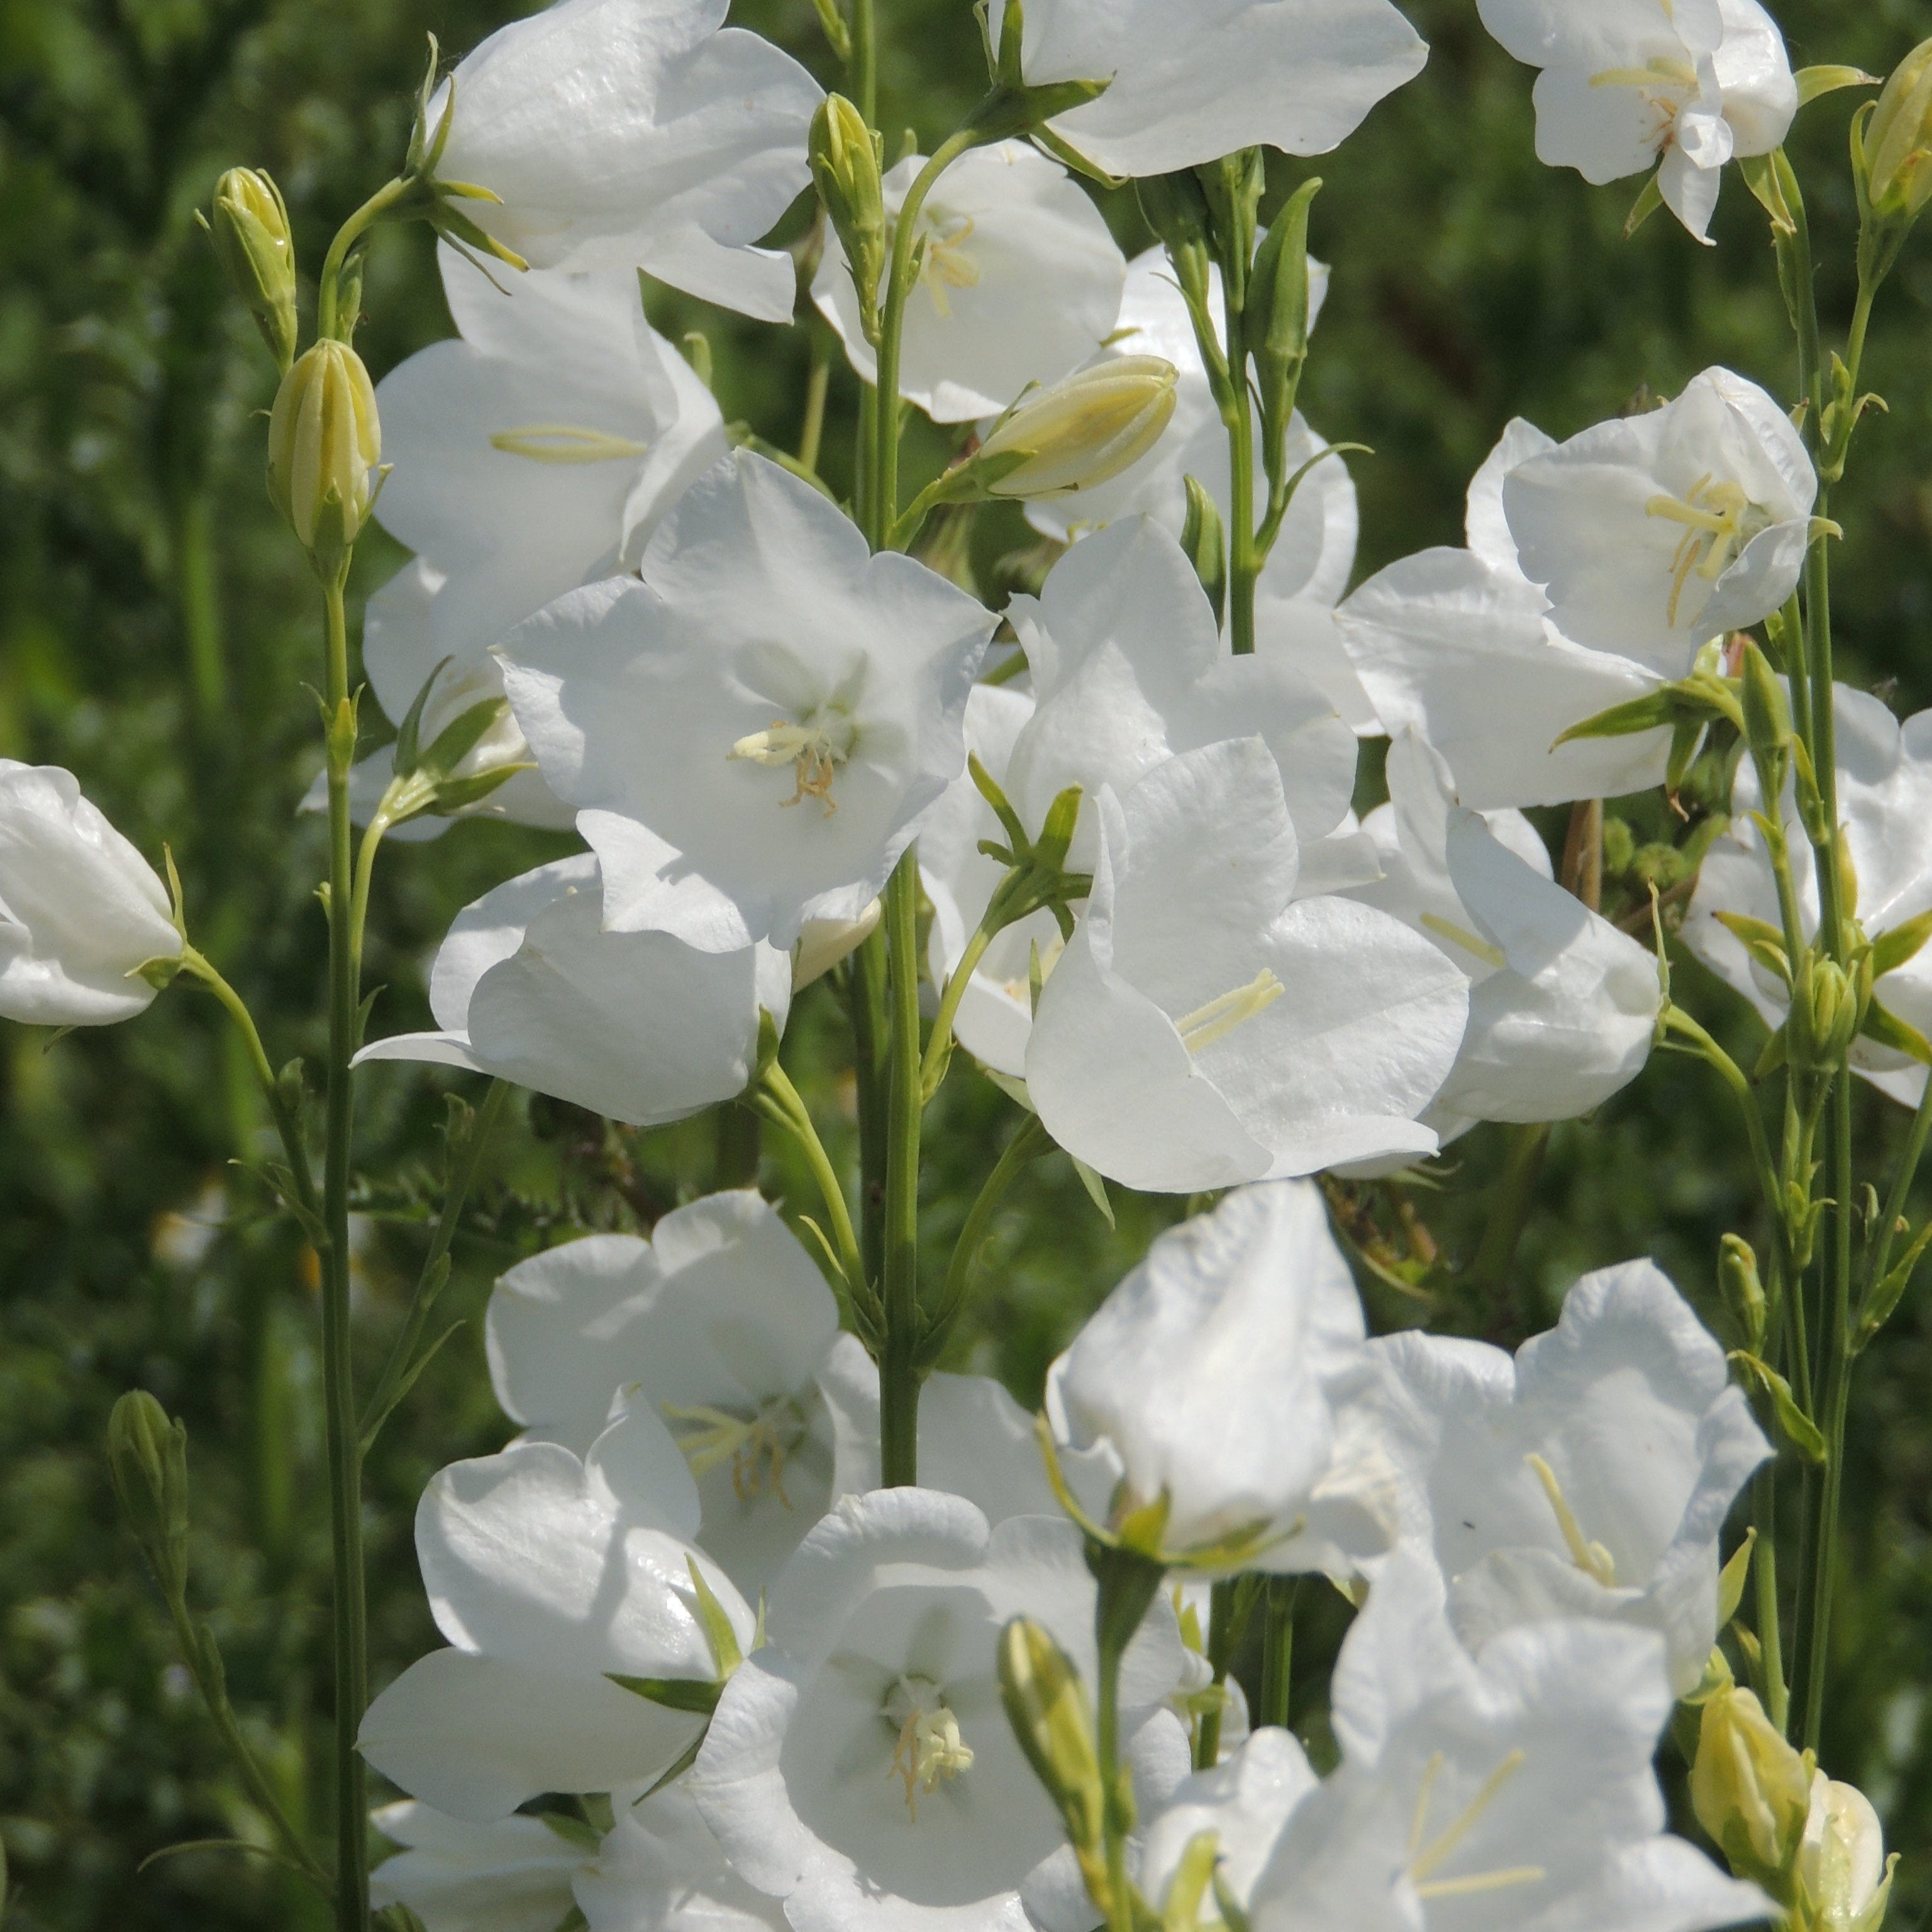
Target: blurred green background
[156, 628]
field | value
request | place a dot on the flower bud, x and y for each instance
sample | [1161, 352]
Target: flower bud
[1743, 1291]
[1750, 1790]
[147, 1457]
[1047, 1708]
[250, 226]
[1767, 712]
[1898, 141]
[1843, 1878]
[325, 446]
[845, 167]
[1830, 1021]
[1081, 432]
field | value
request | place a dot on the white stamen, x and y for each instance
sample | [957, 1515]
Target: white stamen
[1425, 1859]
[1591, 1558]
[757, 1445]
[930, 1749]
[1460, 936]
[565, 442]
[811, 749]
[1219, 1017]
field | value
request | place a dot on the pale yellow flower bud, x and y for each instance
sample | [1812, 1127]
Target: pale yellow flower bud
[1048, 1710]
[250, 225]
[1843, 1877]
[1082, 431]
[1898, 143]
[325, 448]
[1750, 1790]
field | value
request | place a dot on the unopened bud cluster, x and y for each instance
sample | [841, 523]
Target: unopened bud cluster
[845, 167]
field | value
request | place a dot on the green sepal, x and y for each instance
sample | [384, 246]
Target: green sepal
[455, 795]
[838, 34]
[1887, 1295]
[1815, 83]
[723, 1639]
[1204, 538]
[462, 735]
[1885, 1028]
[1777, 1051]
[1799, 1430]
[1096, 1189]
[1765, 944]
[1892, 950]
[1732, 1578]
[404, 759]
[673, 1694]
[1648, 201]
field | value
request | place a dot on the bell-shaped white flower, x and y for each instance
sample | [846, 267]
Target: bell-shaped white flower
[1591, 1476]
[1513, 1791]
[1683, 87]
[534, 452]
[1458, 646]
[1245, 1800]
[1129, 668]
[859, 1766]
[1842, 1871]
[1019, 282]
[550, 1577]
[1562, 1007]
[1309, 568]
[750, 734]
[510, 1875]
[1884, 807]
[720, 1322]
[1204, 1027]
[1652, 533]
[660, 1869]
[81, 911]
[1244, 74]
[630, 134]
[636, 1026]
[1213, 1373]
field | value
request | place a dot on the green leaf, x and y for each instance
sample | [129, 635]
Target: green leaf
[1884, 1028]
[1893, 949]
[1798, 1428]
[1815, 83]
[674, 1693]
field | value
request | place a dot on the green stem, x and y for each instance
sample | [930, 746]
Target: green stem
[204, 1665]
[456, 1197]
[1127, 1584]
[867, 993]
[328, 292]
[939, 1042]
[1222, 1637]
[782, 1104]
[1764, 1562]
[1677, 1020]
[898, 1370]
[342, 1433]
[1029, 1142]
[864, 68]
[818, 385]
[885, 487]
[1509, 1211]
[1244, 558]
[1277, 1651]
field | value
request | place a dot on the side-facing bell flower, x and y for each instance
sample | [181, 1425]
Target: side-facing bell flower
[534, 452]
[1562, 1007]
[635, 133]
[512, 1875]
[1514, 1790]
[81, 911]
[588, 1634]
[859, 1767]
[1459, 646]
[1309, 566]
[1237, 73]
[1204, 1026]
[325, 450]
[1652, 533]
[750, 734]
[1884, 807]
[721, 1322]
[1684, 87]
[638, 1026]
[1751, 1790]
[1590, 1477]
[1212, 1373]
[1019, 282]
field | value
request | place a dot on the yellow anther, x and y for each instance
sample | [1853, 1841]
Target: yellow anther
[1426, 1856]
[930, 1749]
[1719, 519]
[946, 264]
[1461, 936]
[1219, 1017]
[812, 749]
[1591, 1558]
[757, 1445]
[565, 442]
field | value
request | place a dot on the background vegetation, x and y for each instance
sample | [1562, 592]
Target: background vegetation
[156, 627]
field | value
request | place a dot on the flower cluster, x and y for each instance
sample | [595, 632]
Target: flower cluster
[760, 1621]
